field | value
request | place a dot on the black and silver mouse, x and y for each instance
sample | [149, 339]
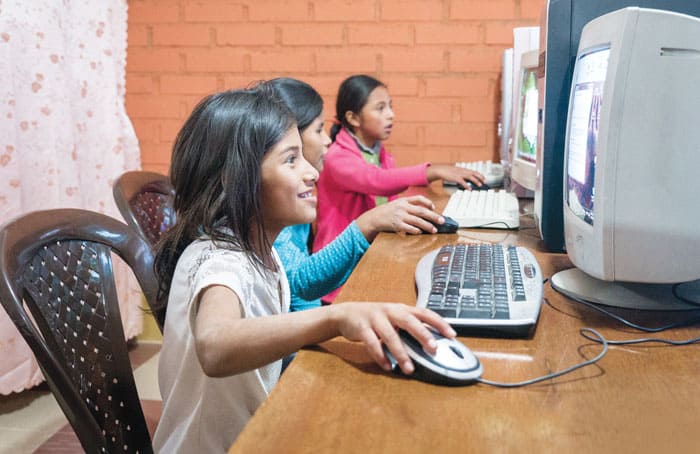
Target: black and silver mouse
[452, 364]
[449, 226]
[483, 187]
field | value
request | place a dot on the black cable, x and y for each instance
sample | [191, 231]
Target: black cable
[600, 339]
[633, 325]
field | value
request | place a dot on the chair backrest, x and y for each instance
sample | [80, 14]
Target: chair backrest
[59, 263]
[146, 199]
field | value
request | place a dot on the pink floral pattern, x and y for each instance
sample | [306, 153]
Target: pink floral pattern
[64, 132]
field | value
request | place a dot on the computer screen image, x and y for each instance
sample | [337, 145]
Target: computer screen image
[523, 170]
[630, 163]
[506, 104]
[560, 31]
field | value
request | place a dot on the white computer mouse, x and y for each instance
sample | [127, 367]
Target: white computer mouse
[452, 364]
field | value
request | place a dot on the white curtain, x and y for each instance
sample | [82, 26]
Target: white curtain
[64, 133]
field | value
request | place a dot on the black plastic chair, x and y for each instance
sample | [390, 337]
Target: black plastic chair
[145, 200]
[59, 263]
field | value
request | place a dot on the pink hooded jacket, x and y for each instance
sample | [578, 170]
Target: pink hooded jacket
[348, 184]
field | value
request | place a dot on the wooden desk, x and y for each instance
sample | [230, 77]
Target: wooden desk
[334, 399]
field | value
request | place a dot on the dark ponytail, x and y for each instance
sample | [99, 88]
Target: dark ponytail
[352, 96]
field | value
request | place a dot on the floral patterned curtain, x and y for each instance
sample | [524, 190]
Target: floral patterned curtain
[64, 133]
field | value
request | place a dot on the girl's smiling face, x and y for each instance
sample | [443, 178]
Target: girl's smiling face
[288, 180]
[375, 120]
[315, 143]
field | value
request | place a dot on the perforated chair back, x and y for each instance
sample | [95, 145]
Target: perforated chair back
[145, 200]
[59, 263]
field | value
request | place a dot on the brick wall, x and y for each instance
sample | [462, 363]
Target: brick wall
[441, 60]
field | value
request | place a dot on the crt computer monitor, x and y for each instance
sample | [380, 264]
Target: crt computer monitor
[506, 102]
[560, 30]
[525, 137]
[631, 161]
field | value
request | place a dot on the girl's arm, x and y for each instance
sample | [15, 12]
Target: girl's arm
[312, 276]
[453, 173]
[350, 172]
[228, 344]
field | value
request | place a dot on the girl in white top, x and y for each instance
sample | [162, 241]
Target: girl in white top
[240, 178]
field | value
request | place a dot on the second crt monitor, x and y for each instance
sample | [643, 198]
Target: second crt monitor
[632, 154]
[523, 169]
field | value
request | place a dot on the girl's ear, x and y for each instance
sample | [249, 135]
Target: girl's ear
[353, 119]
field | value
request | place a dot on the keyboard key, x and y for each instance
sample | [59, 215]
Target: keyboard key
[480, 286]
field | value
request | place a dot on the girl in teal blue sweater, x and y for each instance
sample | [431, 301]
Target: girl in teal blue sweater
[314, 275]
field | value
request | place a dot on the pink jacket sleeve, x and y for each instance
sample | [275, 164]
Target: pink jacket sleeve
[350, 172]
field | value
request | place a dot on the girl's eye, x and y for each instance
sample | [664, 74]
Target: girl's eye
[291, 159]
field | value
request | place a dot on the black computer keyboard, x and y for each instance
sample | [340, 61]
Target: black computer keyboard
[482, 289]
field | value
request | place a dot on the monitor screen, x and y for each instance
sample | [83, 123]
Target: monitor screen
[632, 121]
[586, 99]
[560, 30]
[524, 172]
[527, 131]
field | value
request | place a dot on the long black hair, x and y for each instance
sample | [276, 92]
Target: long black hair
[301, 98]
[216, 172]
[352, 97]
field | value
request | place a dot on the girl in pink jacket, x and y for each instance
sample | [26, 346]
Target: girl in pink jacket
[359, 173]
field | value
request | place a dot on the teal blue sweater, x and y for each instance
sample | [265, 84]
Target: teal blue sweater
[313, 275]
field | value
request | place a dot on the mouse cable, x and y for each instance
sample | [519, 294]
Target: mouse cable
[598, 338]
[488, 224]
[646, 339]
[646, 329]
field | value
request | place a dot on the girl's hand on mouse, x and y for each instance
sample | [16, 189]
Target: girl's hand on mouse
[411, 215]
[375, 324]
[453, 173]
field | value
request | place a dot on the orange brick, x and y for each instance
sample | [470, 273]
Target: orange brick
[187, 84]
[425, 110]
[455, 135]
[181, 35]
[272, 11]
[144, 60]
[320, 34]
[411, 10]
[531, 9]
[414, 60]
[153, 106]
[139, 84]
[152, 11]
[169, 129]
[212, 60]
[401, 85]
[246, 34]
[282, 61]
[347, 60]
[480, 110]
[476, 60]
[146, 130]
[214, 11]
[482, 9]
[404, 133]
[438, 33]
[158, 167]
[457, 86]
[327, 86]
[380, 34]
[502, 32]
[344, 10]
[236, 82]
[188, 103]
[137, 35]
[156, 156]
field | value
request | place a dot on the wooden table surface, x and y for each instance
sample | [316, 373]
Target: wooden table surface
[334, 398]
